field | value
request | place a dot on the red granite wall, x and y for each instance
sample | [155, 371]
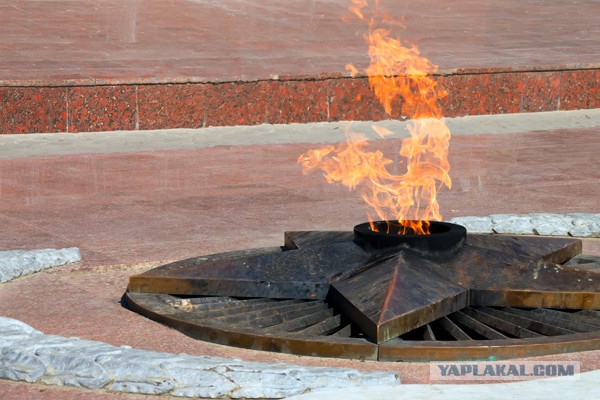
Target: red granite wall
[192, 105]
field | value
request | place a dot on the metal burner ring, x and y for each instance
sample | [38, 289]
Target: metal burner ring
[443, 236]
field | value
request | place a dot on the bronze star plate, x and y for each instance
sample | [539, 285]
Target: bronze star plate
[323, 294]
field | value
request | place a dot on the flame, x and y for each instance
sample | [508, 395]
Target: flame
[398, 75]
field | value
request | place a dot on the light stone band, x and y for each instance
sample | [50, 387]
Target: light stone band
[544, 224]
[16, 263]
[29, 355]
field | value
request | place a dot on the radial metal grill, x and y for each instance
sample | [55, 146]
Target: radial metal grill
[228, 320]
[322, 294]
[314, 317]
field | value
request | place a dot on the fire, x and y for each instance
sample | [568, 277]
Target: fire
[399, 76]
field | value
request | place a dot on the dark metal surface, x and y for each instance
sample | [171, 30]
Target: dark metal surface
[376, 300]
[555, 250]
[471, 333]
[303, 273]
[443, 236]
[318, 332]
[397, 296]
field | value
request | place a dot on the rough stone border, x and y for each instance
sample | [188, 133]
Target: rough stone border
[16, 263]
[545, 224]
[29, 355]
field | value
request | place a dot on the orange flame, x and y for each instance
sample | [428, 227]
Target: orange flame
[397, 73]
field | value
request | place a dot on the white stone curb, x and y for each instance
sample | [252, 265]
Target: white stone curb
[545, 224]
[16, 263]
[29, 355]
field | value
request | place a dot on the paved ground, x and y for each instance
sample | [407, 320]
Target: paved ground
[128, 211]
[57, 144]
[157, 205]
[183, 40]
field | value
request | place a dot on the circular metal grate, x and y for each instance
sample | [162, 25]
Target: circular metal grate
[322, 295]
[278, 325]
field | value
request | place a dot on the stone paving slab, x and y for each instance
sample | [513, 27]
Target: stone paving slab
[54, 144]
[123, 41]
[202, 200]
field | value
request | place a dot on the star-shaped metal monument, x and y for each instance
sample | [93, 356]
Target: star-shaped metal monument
[388, 292]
